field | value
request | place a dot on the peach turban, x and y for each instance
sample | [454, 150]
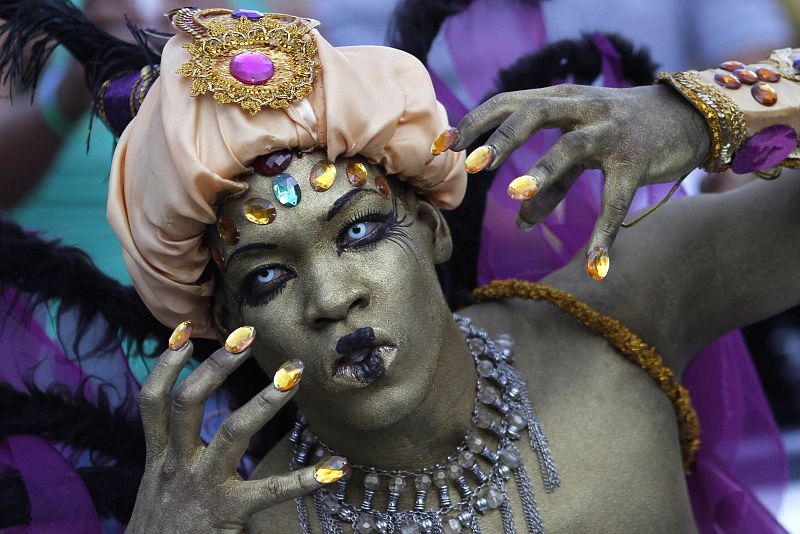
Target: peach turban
[180, 154]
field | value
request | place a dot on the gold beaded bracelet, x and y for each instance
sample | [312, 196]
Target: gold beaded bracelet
[724, 118]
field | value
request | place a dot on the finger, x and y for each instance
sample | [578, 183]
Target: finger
[154, 396]
[186, 415]
[260, 494]
[233, 436]
[542, 205]
[617, 197]
[483, 118]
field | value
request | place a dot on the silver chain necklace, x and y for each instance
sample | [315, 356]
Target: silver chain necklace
[502, 408]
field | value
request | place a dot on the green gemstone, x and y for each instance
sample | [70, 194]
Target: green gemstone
[286, 190]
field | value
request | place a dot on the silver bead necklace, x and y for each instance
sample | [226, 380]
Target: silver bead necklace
[502, 409]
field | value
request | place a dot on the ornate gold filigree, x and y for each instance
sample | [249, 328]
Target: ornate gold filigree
[219, 37]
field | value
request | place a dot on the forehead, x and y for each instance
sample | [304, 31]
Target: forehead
[284, 199]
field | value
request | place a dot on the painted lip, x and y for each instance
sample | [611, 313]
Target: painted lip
[359, 352]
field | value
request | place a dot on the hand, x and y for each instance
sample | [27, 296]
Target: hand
[187, 487]
[637, 136]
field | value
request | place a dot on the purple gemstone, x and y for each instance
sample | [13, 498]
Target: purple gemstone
[252, 68]
[248, 13]
[796, 63]
[273, 163]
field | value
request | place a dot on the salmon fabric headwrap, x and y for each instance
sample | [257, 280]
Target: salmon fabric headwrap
[180, 154]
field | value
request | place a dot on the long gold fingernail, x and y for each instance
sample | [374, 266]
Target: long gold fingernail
[288, 375]
[240, 339]
[445, 140]
[480, 158]
[331, 469]
[597, 263]
[523, 187]
[180, 336]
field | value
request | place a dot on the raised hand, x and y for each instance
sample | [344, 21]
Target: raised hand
[637, 136]
[188, 487]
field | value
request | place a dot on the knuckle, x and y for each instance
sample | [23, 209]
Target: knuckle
[231, 430]
[263, 402]
[149, 399]
[273, 489]
[576, 142]
[215, 364]
[184, 398]
[506, 134]
[547, 165]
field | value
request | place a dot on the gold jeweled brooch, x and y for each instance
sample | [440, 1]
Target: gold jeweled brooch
[249, 58]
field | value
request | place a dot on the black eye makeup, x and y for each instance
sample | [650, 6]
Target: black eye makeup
[365, 229]
[264, 283]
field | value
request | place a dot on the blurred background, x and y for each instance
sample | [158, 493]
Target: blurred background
[52, 185]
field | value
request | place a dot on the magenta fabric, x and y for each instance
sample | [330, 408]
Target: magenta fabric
[765, 150]
[741, 470]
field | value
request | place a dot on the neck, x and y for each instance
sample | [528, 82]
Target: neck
[427, 435]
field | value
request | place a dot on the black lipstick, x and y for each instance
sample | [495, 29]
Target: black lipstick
[360, 356]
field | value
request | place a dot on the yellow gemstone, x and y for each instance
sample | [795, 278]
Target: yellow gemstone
[357, 174]
[323, 174]
[597, 263]
[180, 336]
[288, 375]
[383, 186]
[259, 211]
[445, 140]
[523, 187]
[227, 230]
[479, 159]
[240, 339]
[331, 469]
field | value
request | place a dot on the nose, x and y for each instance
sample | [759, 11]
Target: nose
[331, 300]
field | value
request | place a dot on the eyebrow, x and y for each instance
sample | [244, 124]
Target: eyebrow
[249, 248]
[338, 205]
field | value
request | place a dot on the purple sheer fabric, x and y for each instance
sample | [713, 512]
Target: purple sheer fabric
[765, 149]
[59, 500]
[741, 469]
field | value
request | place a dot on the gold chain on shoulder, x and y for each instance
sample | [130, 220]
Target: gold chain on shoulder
[629, 344]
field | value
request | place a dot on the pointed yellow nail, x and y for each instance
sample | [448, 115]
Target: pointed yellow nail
[597, 263]
[331, 469]
[180, 336]
[288, 375]
[240, 339]
[523, 187]
[480, 158]
[445, 140]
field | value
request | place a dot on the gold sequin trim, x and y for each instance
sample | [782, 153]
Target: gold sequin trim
[723, 116]
[629, 344]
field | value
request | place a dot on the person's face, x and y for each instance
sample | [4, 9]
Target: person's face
[344, 281]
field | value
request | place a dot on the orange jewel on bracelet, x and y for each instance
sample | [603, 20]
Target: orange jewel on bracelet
[288, 375]
[597, 263]
[383, 186]
[523, 187]
[727, 80]
[357, 174]
[732, 65]
[766, 74]
[180, 336]
[445, 140]
[746, 76]
[240, 339]
[764, 94]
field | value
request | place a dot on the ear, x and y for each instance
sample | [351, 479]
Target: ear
[432, 218]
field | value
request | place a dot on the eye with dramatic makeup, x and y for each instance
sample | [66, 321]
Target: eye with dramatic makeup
[264, 283]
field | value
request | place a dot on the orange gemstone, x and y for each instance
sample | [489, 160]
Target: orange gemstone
[727, 80]
[259, 211]
[523, 187]
[240, 339]
[445, 140]
[766, 74]
[357, 174]
[597, 263]
[331, 469]
[288, 375]
[746, 76]
[383, 187]
[764, 94]
[323, 174]
[227, 230]
[219, 260]
[732, 65]
[180, 336]
[479, 159]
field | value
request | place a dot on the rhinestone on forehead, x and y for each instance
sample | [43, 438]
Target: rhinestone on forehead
[357, 174]
[286, 190]
[322, 176]
[259, 211]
